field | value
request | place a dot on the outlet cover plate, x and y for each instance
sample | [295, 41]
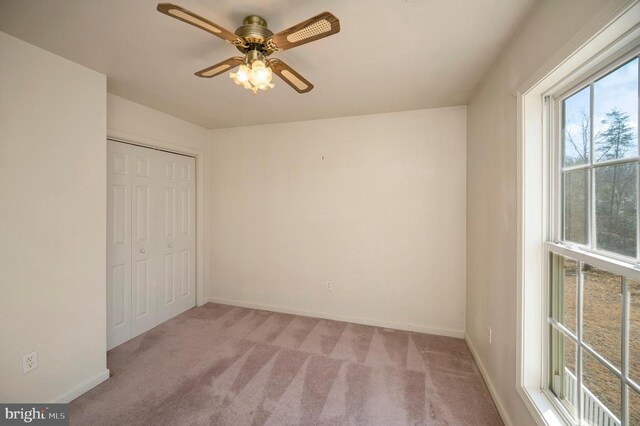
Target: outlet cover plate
[29, 362]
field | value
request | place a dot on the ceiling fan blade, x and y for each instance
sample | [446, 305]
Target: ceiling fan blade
[290, 76]
[220, 67]
[320, 26]
[197, 21]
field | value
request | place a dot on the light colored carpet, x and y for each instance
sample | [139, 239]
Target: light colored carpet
[224, 365]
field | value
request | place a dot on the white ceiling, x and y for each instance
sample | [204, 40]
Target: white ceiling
[391, 55]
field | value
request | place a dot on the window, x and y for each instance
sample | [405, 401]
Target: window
[593, 249]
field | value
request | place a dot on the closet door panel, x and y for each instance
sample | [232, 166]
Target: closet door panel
[144, 236]
[184, 273]
[119, 265]
[178, 239]
[168, 278]
[167, 307]
[186, 238]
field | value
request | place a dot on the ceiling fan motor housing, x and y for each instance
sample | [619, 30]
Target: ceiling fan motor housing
[254, 31]
[254, 55]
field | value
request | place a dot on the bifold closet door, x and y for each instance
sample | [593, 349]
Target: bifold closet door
[145, 239]
[119, 159]
[177, 240]
[151, 239]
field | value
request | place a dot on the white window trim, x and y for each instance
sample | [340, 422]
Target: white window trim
[587, 254]
[615, 28]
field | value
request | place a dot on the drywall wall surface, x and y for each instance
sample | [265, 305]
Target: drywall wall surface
[138, 121]
[549, 29]
[52, 224]
[371, 206]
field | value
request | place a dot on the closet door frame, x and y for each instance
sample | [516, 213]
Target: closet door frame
[200, 176]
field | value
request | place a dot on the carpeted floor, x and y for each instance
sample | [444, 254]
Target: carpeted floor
[223, 365]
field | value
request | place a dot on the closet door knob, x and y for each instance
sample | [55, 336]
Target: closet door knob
[170, 245]
[143, 251]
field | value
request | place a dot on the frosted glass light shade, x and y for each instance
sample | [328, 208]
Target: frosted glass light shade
[255, 77]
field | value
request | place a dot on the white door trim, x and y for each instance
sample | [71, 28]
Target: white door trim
[201, 244]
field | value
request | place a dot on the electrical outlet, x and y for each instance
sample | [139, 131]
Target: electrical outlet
[29, 362]
[489, 334]
[329, 286]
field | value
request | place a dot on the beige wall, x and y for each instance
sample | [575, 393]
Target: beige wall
[52, 224]
[551, 31]
[374, 204]
[138, 122]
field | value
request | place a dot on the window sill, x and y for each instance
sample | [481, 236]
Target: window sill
[543, 410]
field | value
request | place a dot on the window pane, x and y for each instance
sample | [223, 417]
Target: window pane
[602, 312]
[616, 113]
[576, 206]
[576, 134]
[634, 330]
[569, 294]
[602, 391]
[634, 407]
[616, 212]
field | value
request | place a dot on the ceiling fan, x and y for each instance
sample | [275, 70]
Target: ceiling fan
[257, 43]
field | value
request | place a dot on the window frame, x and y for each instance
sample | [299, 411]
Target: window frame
[553, 105]
[555, 248]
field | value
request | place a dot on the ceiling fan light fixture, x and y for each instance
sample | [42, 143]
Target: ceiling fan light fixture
[242, 76]
[260, 74]
[256, 76]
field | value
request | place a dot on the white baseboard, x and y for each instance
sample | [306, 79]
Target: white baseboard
[492, 390]
[340, 317]
[82, 388]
